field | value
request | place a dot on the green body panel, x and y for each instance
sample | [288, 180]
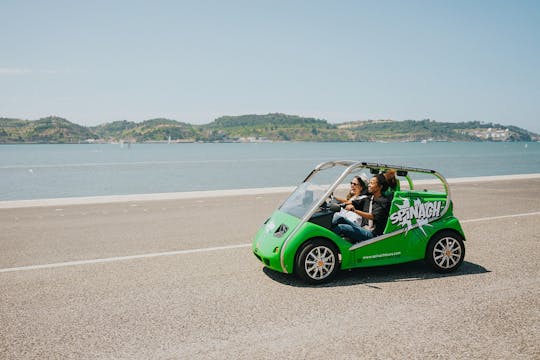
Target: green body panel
[402, 200]
[402, 247]
[265, 243]
[409, 243]
[310, 231]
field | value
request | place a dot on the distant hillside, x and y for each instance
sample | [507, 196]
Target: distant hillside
[149, 130]
[276, 127]
[408, 130]
[270, 127]
[281, 120]
[46, 130]
[414, 130]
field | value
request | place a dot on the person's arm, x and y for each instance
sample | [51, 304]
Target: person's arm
[341, 200]
[363, 214]
[379, 210]
[355, 204]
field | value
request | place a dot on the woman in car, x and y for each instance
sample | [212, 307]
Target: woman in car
[373, 211]
[358, 191]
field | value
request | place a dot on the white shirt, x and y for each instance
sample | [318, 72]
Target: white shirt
[351, 215]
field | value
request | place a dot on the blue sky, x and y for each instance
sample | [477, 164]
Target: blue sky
[99, 61]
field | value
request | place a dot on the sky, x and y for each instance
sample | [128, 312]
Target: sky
[93, 62]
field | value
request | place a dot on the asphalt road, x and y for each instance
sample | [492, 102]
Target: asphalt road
[198, 295]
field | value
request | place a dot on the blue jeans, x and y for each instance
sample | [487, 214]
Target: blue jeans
[345, 227]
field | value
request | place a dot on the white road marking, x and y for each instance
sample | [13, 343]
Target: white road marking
[192, 251]
[499, 217]
[122, 258]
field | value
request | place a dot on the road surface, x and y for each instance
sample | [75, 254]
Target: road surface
[176, 279]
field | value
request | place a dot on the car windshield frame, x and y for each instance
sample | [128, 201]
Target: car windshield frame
[310, 194]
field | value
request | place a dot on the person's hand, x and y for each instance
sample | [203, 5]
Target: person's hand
[349, 207]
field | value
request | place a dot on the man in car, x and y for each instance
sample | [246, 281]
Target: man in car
[373, 209]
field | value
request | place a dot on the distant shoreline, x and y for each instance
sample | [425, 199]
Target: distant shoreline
[271, 142]
[255, 128]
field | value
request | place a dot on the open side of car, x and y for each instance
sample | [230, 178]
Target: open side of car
[298, 237]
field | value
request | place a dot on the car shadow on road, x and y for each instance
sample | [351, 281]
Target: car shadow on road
[370, 277]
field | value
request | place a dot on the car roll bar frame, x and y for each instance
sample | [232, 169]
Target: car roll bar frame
[350, 167]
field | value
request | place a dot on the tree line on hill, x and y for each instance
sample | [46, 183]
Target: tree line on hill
[270, 127]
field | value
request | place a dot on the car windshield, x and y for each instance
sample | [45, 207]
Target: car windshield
[310, 192]
[302, 199]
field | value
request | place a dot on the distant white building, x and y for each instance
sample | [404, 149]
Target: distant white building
[491, 133]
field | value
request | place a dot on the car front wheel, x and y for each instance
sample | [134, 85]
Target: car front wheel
[317, 261]
[445, 251]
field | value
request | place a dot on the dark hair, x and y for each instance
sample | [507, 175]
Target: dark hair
[381, 180]
[390, 176]
[361, 182]
[362, 185]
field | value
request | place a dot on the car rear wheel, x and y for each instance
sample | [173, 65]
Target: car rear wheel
[445, 251]
[317, 262]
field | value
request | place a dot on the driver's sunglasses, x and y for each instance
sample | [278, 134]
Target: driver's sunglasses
[353, 183]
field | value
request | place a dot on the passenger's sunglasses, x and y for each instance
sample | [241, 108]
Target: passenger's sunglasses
[353, 183]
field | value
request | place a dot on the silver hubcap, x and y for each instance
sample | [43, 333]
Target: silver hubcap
[320, 262]
[447, 253]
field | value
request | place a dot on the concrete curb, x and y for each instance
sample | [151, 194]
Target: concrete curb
[13, 204]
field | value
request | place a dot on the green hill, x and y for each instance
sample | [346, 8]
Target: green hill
[46, 130]
[269, 127]
[149, 130]
[276, 119]
[418, 130]
[276, 127]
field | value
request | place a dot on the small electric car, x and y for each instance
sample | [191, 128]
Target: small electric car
[297, 238]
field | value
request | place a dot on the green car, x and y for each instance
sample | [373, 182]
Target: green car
[298, 237]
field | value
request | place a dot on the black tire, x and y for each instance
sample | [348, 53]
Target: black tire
[445, 251]
[317, 261]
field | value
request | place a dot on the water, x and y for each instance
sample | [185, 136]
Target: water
[53, 171]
